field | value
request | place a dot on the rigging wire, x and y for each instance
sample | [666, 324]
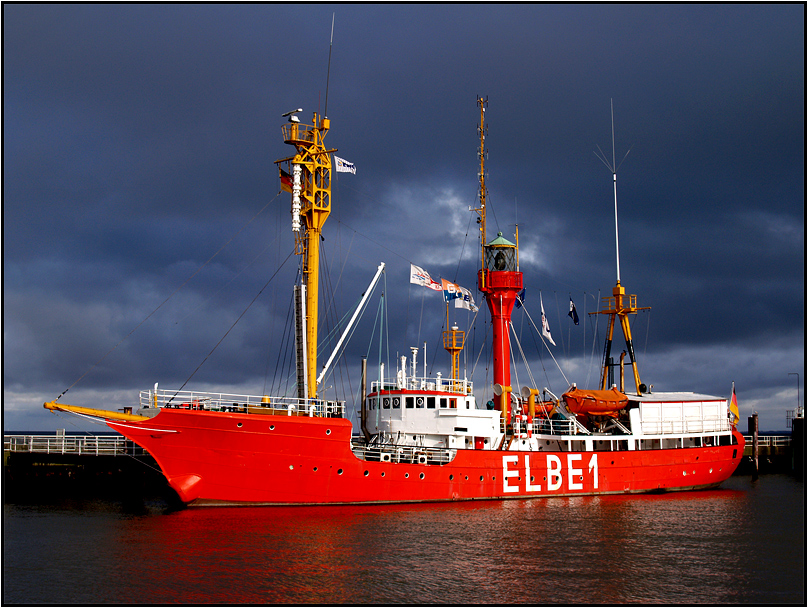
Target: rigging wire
[198, 270]
[545, 343]
[524, 358]
[282, 349]
[353, 329]
[232, 326]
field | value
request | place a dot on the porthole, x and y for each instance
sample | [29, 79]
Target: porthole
[532, 479]
[291, 467]
[421, 476]
[315, 469]
[467, 477]
[382, 473]
[612, 461]
[339, 472]
[367, 473]
[481, 477]
[271, 427]
[328, 431]
[581, 478]
[451, 477]
[239, 425]
[406, 475]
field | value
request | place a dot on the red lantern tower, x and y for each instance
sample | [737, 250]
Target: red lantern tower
[500, 280]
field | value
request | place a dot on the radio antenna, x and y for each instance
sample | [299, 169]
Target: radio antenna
[613, 168]
[328, 75]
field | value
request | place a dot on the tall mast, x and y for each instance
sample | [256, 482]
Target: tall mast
[614, 179]
[309, 172]
[499, 280]
[482, 131]
[619, 306]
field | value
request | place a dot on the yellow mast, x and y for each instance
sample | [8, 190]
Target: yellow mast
[453, 341]
[617, 308]
[308, 178]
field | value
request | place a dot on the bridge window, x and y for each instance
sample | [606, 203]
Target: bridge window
[419, 402]
[396, 403]
[386, 403]
[443, 402]
[430, 403]
[410, 402]
[453, 403]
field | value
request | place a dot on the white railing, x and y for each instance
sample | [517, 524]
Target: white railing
[677, 427]
[413, 383]
[773, 441]
[545, 426]
[223, 402]
[90, 445]
[402, 453]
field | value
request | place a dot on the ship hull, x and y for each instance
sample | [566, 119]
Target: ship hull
[238, 459]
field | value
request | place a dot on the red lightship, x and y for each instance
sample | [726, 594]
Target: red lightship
[425, 438]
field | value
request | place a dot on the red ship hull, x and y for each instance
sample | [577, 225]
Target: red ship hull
[221, 458]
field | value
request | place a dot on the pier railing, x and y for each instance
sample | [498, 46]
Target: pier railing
[772, 441]
[87, 445]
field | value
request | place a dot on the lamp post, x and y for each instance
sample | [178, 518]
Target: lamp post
[797, 412]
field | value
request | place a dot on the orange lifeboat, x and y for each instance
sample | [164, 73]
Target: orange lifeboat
[595, 402]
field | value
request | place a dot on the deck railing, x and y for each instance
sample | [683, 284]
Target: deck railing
[696, 425]
[402, 453]
[223, 402]
[413, 383]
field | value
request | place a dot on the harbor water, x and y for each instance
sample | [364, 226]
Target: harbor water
[743, 543]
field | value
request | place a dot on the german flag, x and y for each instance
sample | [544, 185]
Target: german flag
[733, 408]
[286, 181]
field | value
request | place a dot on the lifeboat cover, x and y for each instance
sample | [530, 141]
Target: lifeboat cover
[595, 402]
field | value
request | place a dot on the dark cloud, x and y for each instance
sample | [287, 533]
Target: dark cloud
[138, 139]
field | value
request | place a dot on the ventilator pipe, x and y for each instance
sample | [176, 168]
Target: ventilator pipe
[503, 393]
[530, 395]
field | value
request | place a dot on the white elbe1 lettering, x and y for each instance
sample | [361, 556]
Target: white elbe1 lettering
[507, 474]
[572, 473]
[553, 472]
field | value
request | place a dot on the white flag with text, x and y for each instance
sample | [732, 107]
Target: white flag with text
[343, 166]
[419, 276]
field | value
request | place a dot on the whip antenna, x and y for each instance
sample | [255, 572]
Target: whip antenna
[328, 75]
[613, 167]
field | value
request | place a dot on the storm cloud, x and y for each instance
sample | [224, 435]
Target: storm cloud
[139, 143]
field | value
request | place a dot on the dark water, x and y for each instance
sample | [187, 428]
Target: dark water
[741, 544]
